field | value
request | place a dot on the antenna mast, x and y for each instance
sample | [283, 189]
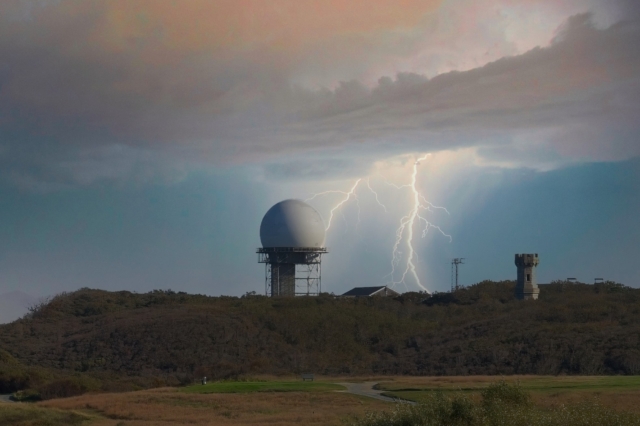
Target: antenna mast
[454, 265]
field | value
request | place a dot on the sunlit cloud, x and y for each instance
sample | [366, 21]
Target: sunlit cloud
[178, 86]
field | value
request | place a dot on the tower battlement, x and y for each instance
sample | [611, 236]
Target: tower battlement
[527, 260]
[527, 286]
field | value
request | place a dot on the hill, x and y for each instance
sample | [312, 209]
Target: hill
[572, 329]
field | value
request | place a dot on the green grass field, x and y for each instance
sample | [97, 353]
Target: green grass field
[247, 387]
[416, 390]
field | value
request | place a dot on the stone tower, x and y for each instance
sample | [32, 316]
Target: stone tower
[527, 286]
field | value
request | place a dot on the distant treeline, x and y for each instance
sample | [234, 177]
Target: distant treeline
[174, 337]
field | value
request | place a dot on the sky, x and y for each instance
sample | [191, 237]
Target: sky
[142, 141]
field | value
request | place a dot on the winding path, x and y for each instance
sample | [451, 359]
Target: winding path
[366, 389]
[363, 389]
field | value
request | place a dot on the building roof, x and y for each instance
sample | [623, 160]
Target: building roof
[382, 290]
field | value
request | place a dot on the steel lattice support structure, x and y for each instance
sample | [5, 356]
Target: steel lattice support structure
[454, 265]
[292, 271]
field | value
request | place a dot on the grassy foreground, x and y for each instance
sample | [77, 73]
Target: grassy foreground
[499, 404]
[288, 403]
[171, 407]
[31, 415]
[617, 392]
[531, 383]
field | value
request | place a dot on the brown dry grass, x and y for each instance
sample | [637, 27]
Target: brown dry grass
[616, 392]
[532, 382]
[620, 401]
[169, 407]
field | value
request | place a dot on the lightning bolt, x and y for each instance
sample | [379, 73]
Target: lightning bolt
[408, 223]
[393, 184]
[347, 197]
[375, 194]
[428, 206]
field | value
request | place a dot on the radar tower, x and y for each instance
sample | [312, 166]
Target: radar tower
[292, 235]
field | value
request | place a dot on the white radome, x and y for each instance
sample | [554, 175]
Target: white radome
[292, 223]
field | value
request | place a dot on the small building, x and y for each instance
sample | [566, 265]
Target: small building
[380, 291]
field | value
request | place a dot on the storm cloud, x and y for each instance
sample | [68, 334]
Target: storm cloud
[94, 91]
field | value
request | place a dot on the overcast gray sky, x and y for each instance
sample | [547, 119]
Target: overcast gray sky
[142, 141]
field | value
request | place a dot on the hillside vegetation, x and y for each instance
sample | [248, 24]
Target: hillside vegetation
[165, 337]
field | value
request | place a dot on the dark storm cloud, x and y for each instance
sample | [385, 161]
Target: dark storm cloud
[629, 9]
[78, 107]
[587, 77]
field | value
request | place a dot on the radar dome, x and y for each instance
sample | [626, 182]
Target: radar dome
[292, 223]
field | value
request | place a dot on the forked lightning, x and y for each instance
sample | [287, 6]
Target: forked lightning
[405, 232]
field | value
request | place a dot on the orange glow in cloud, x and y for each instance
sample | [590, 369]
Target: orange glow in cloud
[197, 25]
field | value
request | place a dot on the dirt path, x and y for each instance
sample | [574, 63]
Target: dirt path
[5, 398]
[366, 389]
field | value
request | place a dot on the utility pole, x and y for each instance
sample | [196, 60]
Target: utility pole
[454, 265]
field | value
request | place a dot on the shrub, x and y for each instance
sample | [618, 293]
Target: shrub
[28, 395]
[63, 388]
[12, 382]
[504, 393]
[438, 409]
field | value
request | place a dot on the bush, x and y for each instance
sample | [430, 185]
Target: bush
[13, 376]
[504, 393]
[63, 388]
[436, 410]
[28, 395]
[13, 382]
